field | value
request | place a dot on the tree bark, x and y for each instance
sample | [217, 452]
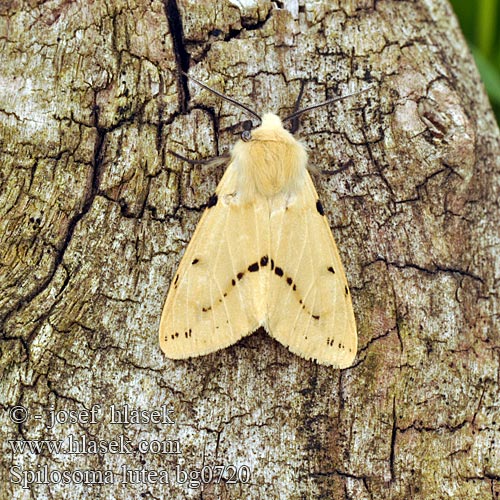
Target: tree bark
[95, 215]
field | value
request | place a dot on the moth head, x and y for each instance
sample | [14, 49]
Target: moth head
[270, 125]
[270, 129]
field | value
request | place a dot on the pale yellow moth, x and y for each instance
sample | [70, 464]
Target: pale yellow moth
[262, 255]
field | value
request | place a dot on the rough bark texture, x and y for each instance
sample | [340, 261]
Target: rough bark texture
[95, 215]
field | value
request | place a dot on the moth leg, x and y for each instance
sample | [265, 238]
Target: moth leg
[214, 161]
[343, 167]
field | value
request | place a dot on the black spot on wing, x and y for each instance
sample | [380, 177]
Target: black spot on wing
[176, 335]
[346, 290]
[278, 271]
[195, 261]
[319, 208]
[331, 270]
[212, 201]
[253, 267]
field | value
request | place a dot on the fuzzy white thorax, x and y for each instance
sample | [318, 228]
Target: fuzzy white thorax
[271, 162]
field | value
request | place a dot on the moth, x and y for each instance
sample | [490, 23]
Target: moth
[262, 255]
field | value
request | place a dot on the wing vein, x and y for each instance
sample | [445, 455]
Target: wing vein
[296, 271]
[230, 323]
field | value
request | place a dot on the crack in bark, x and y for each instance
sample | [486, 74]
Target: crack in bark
[247, 26]
[436, 270]
[91, 193]
[182, 57]
[393, 440]
[418, 426]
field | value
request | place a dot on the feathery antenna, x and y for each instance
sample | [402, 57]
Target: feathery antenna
[296, 114]
[222, 96]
